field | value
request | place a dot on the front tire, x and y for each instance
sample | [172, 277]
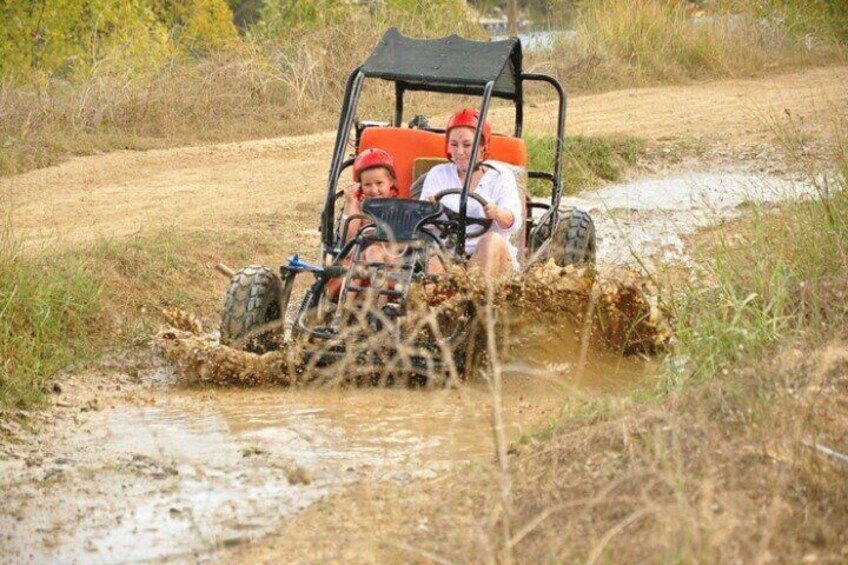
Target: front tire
[252, 316]
[573, 242]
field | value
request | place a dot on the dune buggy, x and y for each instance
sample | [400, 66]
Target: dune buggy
[327, 324]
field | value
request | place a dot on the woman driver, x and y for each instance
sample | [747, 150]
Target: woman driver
[494, 181]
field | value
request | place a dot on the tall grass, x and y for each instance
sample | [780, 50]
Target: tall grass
[626, 43]
[68, 308]
[779, 275]
[47, 309]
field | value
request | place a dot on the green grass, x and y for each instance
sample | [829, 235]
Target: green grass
[48, 307]
[587, 160]
[62, 309]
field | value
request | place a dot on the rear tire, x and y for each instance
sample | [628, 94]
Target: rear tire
[573, 242]
[252, 316]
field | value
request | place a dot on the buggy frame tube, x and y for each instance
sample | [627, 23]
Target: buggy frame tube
[475, 150]
[519, 112]
[351, 96]
[556, 195]
[399, 91]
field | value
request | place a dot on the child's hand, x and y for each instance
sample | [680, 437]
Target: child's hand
[352, 192]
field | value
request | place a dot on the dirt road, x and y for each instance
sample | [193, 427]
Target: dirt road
[126, 466]
[234, 186]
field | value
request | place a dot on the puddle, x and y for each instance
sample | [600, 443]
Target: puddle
[648, 217]
[216, 468]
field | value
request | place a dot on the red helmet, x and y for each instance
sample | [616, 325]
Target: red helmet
[371, 158]
[469, 118]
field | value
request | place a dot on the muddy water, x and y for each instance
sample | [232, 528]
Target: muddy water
[204, 469]
[649, 217]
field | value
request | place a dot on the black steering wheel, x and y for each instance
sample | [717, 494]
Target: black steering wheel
[482, 224]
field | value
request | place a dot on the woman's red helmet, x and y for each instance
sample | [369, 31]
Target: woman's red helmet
[371, 158]
[469, 118]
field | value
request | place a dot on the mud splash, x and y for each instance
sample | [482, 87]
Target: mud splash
[614, 312]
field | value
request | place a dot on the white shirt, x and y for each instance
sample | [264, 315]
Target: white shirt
[497, 185]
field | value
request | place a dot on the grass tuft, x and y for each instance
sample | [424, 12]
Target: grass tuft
[587, 160]
[47, 310]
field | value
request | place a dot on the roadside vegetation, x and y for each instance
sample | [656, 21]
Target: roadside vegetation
[61, 310]
[49, 307]
[627, 44]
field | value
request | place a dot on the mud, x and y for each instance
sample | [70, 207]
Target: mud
[577, 307]
[189, 472]
[644, 223]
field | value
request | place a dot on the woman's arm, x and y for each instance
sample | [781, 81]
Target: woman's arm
[506, 208]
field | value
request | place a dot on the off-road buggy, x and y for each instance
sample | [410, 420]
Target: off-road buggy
[352, 300]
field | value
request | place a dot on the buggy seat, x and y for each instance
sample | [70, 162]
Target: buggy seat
[406, 145]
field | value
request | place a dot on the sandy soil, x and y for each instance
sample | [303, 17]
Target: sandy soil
[239, 186]
[234, 186]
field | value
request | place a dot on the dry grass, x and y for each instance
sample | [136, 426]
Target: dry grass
[718, 473]
[622, 43]
[269, 86]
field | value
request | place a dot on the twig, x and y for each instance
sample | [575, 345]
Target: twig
[224, 270]
[614, 531]
[419, 552]
[541, 517]
[827, 451]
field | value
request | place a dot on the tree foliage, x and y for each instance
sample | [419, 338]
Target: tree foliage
[62, 37]
[284, 18]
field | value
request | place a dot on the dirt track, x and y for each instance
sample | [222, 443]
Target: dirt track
[237, 185]
[88, 433]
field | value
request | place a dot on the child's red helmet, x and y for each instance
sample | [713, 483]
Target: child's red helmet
[371, 158]
[469, 118]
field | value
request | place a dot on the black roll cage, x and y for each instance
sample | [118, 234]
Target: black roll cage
[487, 89]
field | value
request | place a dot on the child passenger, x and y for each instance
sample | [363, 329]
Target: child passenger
[373, 177]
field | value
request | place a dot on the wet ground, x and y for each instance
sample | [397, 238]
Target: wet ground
[202, 470]
[176, 474]
[650, 218]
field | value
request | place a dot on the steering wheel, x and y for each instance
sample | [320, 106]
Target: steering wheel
[482, 224]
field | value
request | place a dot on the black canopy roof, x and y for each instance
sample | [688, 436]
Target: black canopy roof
[450, 64]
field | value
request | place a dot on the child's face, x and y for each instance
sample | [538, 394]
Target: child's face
[376, 183]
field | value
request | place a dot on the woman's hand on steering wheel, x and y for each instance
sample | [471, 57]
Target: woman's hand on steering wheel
[482, 224]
